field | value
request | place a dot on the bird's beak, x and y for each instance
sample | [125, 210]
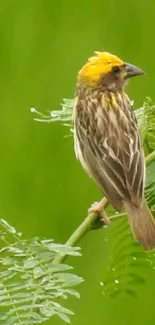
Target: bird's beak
[132, 70]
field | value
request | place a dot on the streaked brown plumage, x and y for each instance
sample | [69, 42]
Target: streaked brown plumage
[107, 140]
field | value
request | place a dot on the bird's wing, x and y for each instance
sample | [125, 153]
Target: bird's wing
[109, 148]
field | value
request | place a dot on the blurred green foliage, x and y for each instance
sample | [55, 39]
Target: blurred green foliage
[42, 46]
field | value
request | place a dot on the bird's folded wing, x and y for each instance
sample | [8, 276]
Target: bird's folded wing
[115, 163]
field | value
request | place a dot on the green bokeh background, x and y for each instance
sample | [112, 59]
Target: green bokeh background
[43, 189]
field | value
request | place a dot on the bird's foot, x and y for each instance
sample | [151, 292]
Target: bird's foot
[98, 207]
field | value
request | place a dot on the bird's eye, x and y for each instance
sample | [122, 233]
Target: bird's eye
[115, 69]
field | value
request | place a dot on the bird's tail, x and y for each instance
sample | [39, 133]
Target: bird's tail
[142, 224]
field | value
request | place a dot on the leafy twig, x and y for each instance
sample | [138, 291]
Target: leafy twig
[31, 287]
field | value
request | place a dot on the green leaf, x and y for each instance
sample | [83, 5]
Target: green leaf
[30, 283]
[47, 310]
[64, 317]
[146, 119]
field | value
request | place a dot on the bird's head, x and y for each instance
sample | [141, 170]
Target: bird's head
[105, 69]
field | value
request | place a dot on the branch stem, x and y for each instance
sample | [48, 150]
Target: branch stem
[85, 227]
[77, 235]
[150, 158]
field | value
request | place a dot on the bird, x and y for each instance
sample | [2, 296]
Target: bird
[107, 141]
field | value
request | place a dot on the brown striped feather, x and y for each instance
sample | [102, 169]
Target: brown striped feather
[109, 145]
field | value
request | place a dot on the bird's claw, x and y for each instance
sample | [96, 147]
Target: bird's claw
[98, 208]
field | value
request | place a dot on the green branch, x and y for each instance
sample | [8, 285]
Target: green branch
[150, 158]
[92, 221]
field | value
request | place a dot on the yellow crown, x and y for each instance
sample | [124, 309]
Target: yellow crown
[97, 65]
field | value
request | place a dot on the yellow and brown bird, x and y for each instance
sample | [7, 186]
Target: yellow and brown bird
[107, 140]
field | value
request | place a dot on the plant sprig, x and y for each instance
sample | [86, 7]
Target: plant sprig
[31, 286]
